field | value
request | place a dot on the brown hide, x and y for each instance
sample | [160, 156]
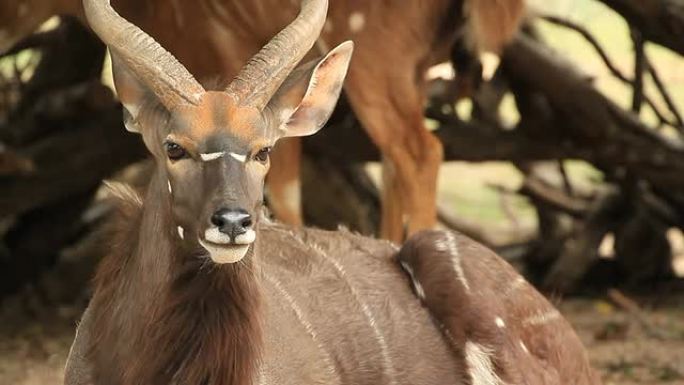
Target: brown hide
[483, 303]
[309, 307]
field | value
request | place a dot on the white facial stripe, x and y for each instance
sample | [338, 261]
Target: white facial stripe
[226, 254]
[181, 232]
[168, 183]
[212, 156]
[238, 157]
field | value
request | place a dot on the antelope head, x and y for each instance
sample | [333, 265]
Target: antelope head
[213, 146]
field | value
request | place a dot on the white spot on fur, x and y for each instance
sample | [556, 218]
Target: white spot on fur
[212, 156]
[168, 183]
[420, 292]
[480, 366]
[500, 322]
[524, 347]
[356, 22]
[542, 318]
[181, 232]
[449, 245]
[238, 157]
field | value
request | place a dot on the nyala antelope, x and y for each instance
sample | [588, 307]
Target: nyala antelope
[199, 288]
[396, 42]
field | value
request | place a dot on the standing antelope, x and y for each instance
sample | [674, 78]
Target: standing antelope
[396, 42]
[198, 289]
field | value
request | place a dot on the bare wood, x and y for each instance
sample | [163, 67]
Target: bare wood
[62, 154]
[554, 197]
[660, 21]
[590, 120]
[609, 63]
[665, 94]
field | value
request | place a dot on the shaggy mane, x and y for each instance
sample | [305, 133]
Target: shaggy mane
[200, 327]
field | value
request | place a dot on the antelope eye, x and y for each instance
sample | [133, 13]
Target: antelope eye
[262, 155]
[174, 151]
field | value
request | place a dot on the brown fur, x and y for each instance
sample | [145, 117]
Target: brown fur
[159, 318]
[183, 316]
[495, 290]
[192, 332]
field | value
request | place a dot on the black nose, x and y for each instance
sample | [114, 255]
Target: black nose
[232, 222]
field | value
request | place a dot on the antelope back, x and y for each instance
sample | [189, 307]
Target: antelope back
[505, 332]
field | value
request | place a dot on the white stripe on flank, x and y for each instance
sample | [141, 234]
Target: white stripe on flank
[384, 350]
[449, 245]
[302, 320]
[518, 284]
[212, 156]
[420, 292]
[542, 318]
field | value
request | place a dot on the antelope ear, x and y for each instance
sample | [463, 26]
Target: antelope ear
[308, 96]
[132, 93]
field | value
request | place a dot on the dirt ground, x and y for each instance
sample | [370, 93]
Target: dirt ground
[628, 348]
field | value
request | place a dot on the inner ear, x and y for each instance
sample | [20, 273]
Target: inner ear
[133, 94]
[308, 96]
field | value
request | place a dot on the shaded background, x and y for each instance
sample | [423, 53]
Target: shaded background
[589, 205]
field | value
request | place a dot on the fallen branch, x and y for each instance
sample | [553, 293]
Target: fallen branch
[554, 197]
[636, 83]
[632, 308]
[660, 21]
